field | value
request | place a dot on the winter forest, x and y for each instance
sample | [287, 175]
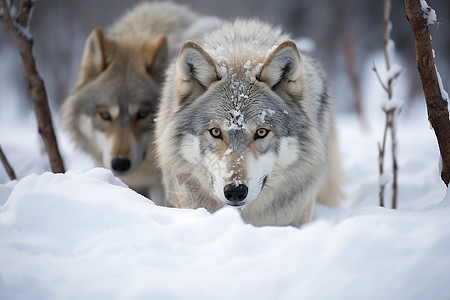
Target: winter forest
[85, 234]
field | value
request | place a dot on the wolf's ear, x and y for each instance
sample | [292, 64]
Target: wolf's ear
[283, 68]
[155, 54]
[94, 57]
[195, 72]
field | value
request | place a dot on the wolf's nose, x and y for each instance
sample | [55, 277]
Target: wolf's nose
[235, 193]
[120, 164]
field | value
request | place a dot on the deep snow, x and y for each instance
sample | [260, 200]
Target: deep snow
[85, 235]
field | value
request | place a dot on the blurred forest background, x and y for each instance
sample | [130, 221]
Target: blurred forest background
[61, 27]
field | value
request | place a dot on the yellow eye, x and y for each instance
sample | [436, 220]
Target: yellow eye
[261, 133]
[216, 133]
[104, 115]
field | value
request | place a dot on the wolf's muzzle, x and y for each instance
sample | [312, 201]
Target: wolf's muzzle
[236, 194]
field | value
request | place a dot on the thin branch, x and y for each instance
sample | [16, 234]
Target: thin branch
[7, 166]
[394, 163]
[25, 11]
[387, 27]
[390, 113]
[19, 31]
[437, 107]
[381, 151]
[374, 68]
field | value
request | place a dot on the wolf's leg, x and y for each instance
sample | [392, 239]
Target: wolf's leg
[306, 212]
[330, 192]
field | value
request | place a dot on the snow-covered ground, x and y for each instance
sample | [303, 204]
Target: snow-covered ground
[85, 235]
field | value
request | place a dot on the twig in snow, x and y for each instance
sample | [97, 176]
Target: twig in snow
[8, 168]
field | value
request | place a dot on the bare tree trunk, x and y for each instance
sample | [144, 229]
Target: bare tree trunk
[438, 114]
[19, 31]
[8, 168]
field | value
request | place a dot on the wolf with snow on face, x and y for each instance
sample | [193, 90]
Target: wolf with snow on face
[245, 120]
[110, 112]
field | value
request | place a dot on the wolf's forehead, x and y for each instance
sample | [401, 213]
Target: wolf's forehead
[130, 94]
[248, 115]
[242, 59]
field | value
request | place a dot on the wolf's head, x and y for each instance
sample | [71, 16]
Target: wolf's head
[239, 117]
[110, 112]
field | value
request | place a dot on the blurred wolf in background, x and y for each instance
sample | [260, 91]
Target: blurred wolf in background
[246, 120]
[110, 111]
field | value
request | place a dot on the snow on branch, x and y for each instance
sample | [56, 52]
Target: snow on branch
[428, 13]
[420, 15]
[18, 28]
[390, 107]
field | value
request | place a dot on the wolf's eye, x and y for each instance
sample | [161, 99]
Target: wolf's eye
[142, 114]
[261, 133]
[216, 133]
[104, 115]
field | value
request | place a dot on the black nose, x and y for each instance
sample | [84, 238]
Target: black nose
[120, 164]
[235, 193]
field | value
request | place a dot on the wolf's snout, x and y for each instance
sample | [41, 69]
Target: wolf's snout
[235, 193]
[121, 164]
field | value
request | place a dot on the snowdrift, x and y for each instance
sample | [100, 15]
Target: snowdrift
[85, 235]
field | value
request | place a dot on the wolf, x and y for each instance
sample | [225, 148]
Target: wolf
[110, 112]
[246, 121]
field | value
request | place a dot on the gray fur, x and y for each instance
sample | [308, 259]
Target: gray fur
[255, 79]
[120, 72]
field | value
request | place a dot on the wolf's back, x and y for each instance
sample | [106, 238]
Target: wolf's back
[149, 20]
[152, 19]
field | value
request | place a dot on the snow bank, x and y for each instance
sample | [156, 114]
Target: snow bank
[84, 235]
